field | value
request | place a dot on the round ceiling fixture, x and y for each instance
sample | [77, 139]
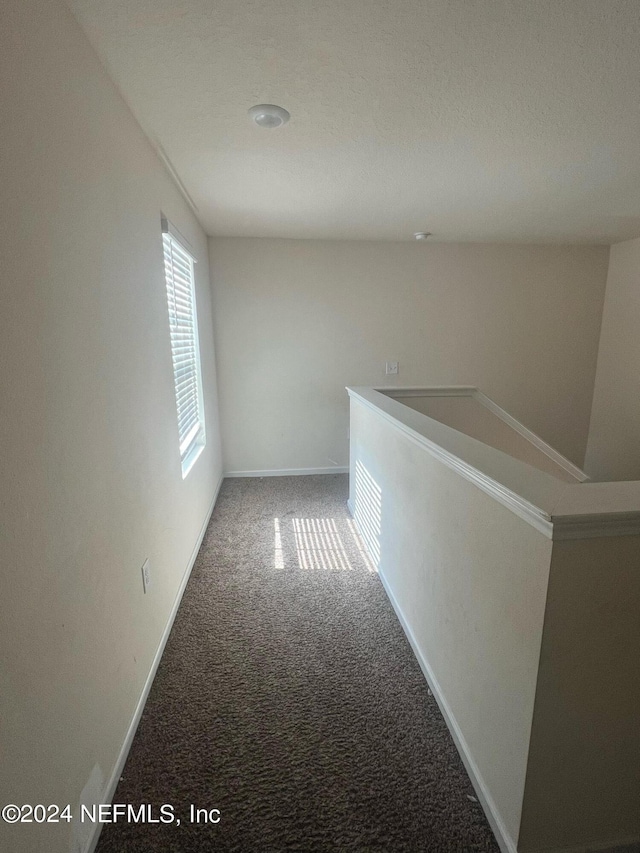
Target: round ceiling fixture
[422, 235]
[269, 115]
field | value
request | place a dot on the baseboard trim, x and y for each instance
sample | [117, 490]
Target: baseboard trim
[288, 472]
[504, 839]
[112, 784]
[628, 846]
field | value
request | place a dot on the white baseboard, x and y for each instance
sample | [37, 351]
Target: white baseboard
[112, 784]
[629, 846]
[504, 839]
[288, 472]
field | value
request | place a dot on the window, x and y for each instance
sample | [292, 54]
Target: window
[183, 327]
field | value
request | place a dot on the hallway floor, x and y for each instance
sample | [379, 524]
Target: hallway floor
[289, 698]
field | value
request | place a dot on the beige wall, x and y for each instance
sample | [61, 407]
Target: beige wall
[469, 579]
[530, 644]
[583, 776]
[472, 418]
[614, 437]
[90, 471]
[296, 321]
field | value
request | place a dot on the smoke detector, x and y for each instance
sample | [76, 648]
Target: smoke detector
[269, 115]
[421, 235]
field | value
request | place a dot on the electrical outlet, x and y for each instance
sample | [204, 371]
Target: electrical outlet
[391, 368]
[146, 575]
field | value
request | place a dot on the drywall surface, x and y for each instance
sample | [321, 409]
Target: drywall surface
[90, 468]
[613, 451]
[469, 580]
[583, 776]
[472, 418]
[297, 320]
[484, 121]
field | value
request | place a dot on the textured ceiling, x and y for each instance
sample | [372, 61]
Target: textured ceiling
[479, 120]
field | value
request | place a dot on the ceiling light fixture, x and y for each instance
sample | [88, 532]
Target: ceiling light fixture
[422, 235]
[269, 115]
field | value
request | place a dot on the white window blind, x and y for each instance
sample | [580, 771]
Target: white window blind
[181, 299]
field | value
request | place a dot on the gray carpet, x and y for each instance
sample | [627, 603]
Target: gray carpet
[289, 698]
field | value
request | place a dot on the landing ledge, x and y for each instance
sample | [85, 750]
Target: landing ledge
[557, 509]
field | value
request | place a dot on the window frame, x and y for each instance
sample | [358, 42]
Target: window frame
[189, 446]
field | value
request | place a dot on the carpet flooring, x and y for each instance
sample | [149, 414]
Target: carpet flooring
[289, 698]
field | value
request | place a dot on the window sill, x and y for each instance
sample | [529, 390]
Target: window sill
[189, 460]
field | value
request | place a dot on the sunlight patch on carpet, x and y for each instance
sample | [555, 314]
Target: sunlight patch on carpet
[319, 545]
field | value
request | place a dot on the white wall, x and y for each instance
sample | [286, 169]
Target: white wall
[90, 470]
[472, 604]
[529, 639]
[613, 451]
[471, 417]
[581, 789]
[297, 320]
